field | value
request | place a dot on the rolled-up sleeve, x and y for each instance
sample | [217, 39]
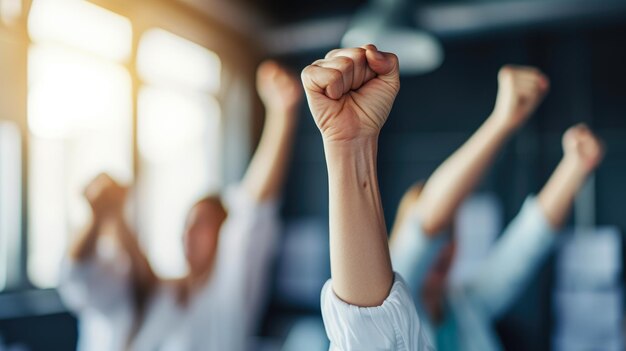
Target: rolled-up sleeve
[96, 283]
[394, 325]
[513, 260]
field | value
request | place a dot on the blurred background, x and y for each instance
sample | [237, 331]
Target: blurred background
[161, 92]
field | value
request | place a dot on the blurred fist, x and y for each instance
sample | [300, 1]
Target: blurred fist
[277, 88]
[351, 91]
[105, 196]
[583, 147]
[520, 90]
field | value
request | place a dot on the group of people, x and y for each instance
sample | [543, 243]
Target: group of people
[385, 292]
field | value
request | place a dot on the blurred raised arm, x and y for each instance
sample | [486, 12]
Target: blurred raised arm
[281, 93]
[527, 240]
[582, 153]
[103, 202]
[520, 91]
[350, 94]
[107, 199]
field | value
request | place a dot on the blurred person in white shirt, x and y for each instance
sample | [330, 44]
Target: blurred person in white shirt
[229, 243]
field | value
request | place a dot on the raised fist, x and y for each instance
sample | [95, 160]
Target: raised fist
[520, 90]
[105, 196]
[278, 89]
[351, 91]
[582, 147]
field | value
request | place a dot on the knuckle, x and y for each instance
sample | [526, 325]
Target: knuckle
[333, 52]
[305, 72]
[506, 70]
[344, 62]
[335, 75]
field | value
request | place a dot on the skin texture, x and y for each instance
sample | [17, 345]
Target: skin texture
[281, 93]
[350, 94]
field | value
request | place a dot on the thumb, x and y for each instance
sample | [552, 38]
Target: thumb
[384, 64]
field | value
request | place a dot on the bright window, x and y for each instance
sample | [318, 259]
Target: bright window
[179, 140]
[10, 10]
[79, 119]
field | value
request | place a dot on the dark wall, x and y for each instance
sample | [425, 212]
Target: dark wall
[42, 333]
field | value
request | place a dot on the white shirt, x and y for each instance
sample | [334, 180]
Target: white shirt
[221, 316]
[394, 325]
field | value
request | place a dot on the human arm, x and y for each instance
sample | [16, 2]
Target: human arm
[350, 94]
[281, 94]
[528, 239]
[520, 91]
[583, 152]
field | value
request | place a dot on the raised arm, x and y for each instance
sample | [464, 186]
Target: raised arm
[102, 203]
[281, 93]
[520, 91]
[107, 198]
[583, 152]
[350, 94]
[528, 239]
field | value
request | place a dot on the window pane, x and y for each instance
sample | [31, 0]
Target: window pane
[10, 198]
[10, 10]
[80, 120]
[70, 92]
[81, 25]
[166, 59]
[179, 149]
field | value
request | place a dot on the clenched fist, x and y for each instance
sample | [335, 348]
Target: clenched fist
[105, 196]
[520, 90]
[582, 147]
[351, 91]
[278, 89]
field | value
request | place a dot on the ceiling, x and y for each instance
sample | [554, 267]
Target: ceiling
[301, 25]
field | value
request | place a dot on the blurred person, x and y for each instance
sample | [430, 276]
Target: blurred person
[365, 306]
[461, 316]
[228, 243]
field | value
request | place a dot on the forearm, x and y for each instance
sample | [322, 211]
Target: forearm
[85, 245]
[140, 266]
[457, 177]
[266, 173]
[557, 196]
[360, 263]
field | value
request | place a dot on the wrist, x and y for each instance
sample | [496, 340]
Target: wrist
[281, 117]
[281, 110]
[576, 167]
[502, 122]
[365, 145]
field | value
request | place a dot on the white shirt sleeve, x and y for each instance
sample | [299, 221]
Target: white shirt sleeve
[248, 243]
[98, 283]
[394, 325]
[513, 260]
